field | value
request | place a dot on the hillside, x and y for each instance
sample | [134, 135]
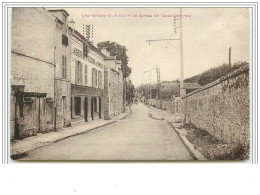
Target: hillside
[214, 73]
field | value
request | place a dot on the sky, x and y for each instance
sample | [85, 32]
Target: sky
[207, 35]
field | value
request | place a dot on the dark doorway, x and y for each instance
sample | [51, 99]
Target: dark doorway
[99, 106]
[86, 109]
[77, 103]
[92, 108]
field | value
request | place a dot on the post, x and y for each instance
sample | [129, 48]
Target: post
[182, 90]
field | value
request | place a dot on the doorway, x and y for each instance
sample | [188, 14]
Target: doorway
[99, 106]
[63, 110]
[86, 109]
[92, 108]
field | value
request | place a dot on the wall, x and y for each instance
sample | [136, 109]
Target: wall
[32, 68]
[63, 85]
[113, 93]
[165, 104]
[222, 107]
[37, 76]
[29, 25]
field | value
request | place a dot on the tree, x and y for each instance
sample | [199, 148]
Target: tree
[213, 74]
[119, 51]
[130, 88]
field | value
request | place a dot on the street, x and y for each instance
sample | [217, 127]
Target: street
[137, 137]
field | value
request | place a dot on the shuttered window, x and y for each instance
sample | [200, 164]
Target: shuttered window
[65, 40]
[78, 72]
[94, 77]
[86, 74]
[99, 79]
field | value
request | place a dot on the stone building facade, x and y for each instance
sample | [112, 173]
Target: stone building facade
[87, 77]
[113, 86]
[62, 85]
[32, 72]
[57, 76]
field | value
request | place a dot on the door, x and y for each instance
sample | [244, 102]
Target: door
[63, 110]
[99, 107]
[86, 109]
[92, 108]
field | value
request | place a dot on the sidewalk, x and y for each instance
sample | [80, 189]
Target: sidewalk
[19, 148]
[170, 118]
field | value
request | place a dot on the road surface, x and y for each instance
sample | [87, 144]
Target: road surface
[137, 137]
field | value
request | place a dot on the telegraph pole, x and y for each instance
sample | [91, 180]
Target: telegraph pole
[182, 90]
[181, 56]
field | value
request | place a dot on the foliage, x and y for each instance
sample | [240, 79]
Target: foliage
[213, 148]
[119, 51]
[130, 88]
[214, 73]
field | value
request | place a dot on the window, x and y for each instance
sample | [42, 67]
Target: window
[85, 51]
[94, 77]
[95, 105]
[77, 106]
[64, 67]
[86, 74]
[78, 72]
[65, 40]
[99, 79]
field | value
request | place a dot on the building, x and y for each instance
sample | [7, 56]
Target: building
[62, 85]
[59, 78]
[87, 78]
[32, 72]
[113, 86]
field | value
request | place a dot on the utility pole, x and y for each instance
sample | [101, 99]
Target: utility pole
[182, 92]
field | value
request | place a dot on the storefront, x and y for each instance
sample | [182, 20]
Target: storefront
[86, 103]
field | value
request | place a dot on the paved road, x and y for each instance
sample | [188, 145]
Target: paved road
[137, 137]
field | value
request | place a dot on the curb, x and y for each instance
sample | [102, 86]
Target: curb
[19, 155]
[195, 154]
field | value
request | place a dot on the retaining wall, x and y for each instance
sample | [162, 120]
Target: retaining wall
[222, 107]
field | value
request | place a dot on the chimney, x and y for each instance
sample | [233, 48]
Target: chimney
[105, 51]
[72, 24]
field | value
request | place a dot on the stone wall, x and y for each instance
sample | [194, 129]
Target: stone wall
[166, 104]
[221, 107]
[113, 93]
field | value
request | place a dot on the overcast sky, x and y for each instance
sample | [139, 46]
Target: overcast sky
[207, 35]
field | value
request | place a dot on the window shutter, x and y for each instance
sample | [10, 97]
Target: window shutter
[96, 78]
[80, 73]
[76, 72]
[65, 67]
[92, 77]
[86, 74]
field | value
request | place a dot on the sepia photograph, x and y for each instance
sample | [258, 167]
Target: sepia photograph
[129, 83]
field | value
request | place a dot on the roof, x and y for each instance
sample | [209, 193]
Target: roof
[59, 10]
